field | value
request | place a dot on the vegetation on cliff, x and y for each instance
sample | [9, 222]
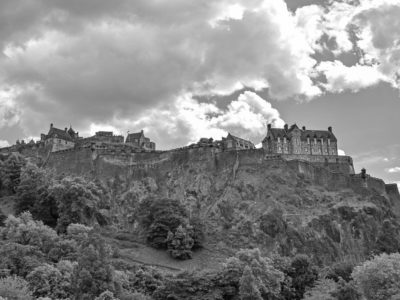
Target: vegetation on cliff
[281, 236]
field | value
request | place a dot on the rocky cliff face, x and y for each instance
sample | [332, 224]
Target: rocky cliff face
[247, 200]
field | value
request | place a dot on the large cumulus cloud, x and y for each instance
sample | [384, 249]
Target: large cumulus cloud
[93, 61]
[117, 62]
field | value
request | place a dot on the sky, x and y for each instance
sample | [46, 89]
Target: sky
[185, 69]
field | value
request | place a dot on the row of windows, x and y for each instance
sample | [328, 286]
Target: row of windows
[308, 140]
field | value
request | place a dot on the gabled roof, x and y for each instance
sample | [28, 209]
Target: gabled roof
[238, 139]
[58, 133]
[136, 135]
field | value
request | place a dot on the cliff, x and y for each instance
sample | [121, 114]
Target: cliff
[247, 199]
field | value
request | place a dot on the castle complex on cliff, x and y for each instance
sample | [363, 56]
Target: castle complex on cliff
[289, 143]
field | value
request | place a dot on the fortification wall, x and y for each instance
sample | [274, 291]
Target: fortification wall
[107, 163]
[71, 161]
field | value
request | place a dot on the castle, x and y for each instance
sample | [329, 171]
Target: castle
[58, 140]
[318, 147]
[293, 140]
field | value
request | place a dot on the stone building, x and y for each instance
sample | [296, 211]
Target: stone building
[59, 139]
[102, 137]
[138, 140]
[232, 142]
[303, 141]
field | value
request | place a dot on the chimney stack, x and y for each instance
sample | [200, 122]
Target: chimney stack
[65, 129]
[304, 127]
[330, 129]
[51, 125]
[269, 126]
[286, 127]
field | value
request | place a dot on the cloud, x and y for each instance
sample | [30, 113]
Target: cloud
[393, 170]
[368, 31]
[4, 144]
[101, 62]
[71, 62]
[187, 120]
[340, 77]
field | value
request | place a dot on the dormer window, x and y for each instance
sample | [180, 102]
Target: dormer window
[284, 139]
[279, 139]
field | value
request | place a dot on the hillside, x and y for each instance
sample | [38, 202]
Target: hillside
[246, 201]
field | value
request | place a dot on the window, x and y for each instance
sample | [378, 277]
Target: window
[329, 142]
[279, 139]
[322, 141]
[308, 140]
[284, 139]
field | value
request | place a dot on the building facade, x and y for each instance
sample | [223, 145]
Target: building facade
[293, 140]
[232, 142]
[59, 139]
[139, 141]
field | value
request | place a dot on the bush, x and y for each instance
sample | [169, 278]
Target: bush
[15, 288]
[379, 278]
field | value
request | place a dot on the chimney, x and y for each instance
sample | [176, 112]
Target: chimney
[304, 127]
[330, 129]
[65, 129]
[51, 125]
[269, 126]
[286, 127]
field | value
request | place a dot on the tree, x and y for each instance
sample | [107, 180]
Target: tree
[15, 288]
[248, 289]
[93, 274]
[180, 243]
[77, 201]
[11, 170]
[33, 194]
[379, 278]
[268, 279]
[25, 230]
[158, 216]
[48, 281]
[303, 275]
[323, 289]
